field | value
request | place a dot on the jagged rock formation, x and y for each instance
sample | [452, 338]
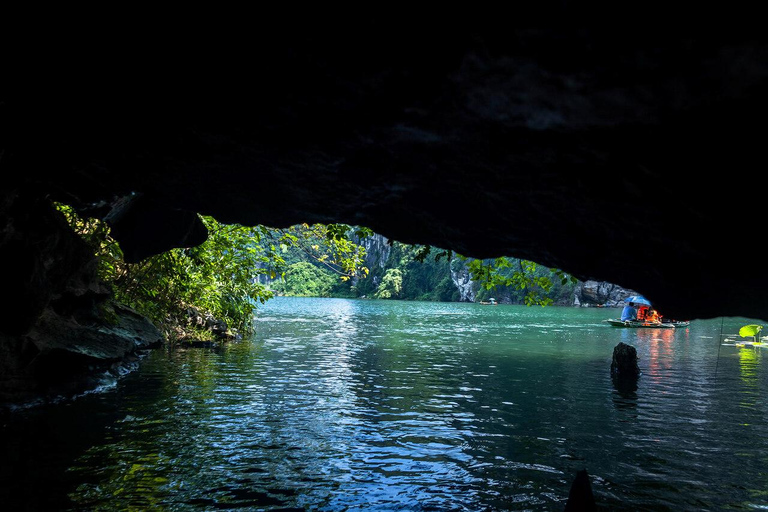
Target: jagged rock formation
[377, 249]
[380, 256]
[583, 150]
[600, 293]
[60, 326]
[463, 281]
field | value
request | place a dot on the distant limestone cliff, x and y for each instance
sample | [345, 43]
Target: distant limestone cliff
[600, 293]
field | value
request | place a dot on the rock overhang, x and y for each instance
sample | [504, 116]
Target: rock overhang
[624, 157]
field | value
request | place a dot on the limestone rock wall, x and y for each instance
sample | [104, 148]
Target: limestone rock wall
[463, 281]
[377, 250]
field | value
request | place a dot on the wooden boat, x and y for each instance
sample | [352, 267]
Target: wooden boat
[635, 324]
[489, 302]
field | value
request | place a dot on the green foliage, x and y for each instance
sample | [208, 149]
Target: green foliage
[95, 233]
[750, 330]
[218, 277]
[423, 251]
[426, 278]
[424, 273]
[524, 280]
[222, 276]
[512, 273]
[429, 279]
[391, 285]
[306, 280]
[326, 245]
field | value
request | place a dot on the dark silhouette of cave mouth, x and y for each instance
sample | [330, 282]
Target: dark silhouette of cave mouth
[618, 155]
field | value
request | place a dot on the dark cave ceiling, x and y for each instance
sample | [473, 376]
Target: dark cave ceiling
[619, 155]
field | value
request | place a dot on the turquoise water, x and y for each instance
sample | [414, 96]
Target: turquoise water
[381, 405]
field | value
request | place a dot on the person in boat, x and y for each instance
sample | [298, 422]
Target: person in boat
[629, 313]
[652, 316]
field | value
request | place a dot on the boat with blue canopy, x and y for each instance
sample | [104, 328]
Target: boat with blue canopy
[644, 316]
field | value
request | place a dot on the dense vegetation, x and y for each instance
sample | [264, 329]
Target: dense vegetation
[238, 267]
[221, 278]
[400, 271]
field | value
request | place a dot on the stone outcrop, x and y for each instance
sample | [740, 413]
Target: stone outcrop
[198, 320]
[463, 281]
[60, 327]
[580, 496]
[62, 355]
[600, 293]
[377, 249]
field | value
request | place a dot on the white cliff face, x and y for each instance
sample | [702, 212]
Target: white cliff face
[377, 250]
[463, 282]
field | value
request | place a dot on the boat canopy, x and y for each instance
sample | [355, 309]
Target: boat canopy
[638, 299]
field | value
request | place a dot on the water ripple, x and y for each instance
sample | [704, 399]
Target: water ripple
[370, 405]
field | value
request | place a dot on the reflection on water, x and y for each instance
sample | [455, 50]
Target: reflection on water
[749, 358]
[373, 405]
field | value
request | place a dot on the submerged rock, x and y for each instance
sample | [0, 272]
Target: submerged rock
[580, 497]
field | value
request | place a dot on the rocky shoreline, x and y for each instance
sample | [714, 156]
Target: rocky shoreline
[61, 358]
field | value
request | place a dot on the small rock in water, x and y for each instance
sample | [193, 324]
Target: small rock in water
[624, 364]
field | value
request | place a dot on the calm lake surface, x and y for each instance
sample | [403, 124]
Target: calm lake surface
[382, 405]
